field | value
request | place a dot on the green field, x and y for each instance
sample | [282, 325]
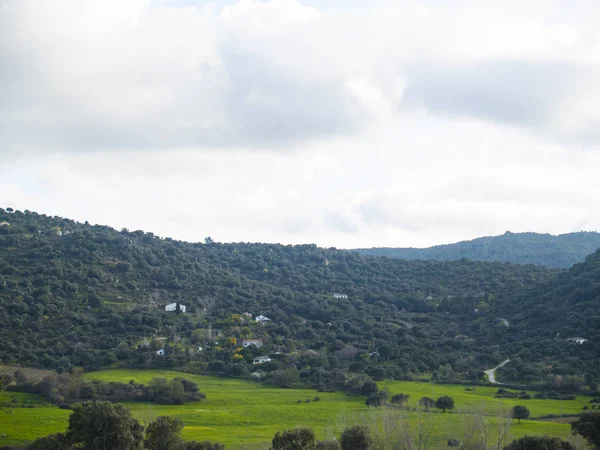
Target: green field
[246, 415]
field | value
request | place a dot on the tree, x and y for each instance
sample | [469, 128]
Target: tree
[540, 443]
[444, 402]
[56, 441]
[104, 426]
[399, 398]
[163, 434]
[297, 439]
[427, 402]
[588, 426]
[355, 438]
[520, 412]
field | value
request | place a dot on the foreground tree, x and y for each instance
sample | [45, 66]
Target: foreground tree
[163, 434]
[540, 443]
[56, 441]
[297, 439]
[104, 426]
[588, 426]
[520, 412]
[444, 403]
[355, 438]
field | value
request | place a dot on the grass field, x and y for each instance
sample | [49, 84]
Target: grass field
[246, 415]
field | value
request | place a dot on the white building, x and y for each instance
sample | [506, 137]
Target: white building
[262, 319]
[258, 343]
[160, 352]
[579, 340]
[338, 295]
[173, 307]
[262, 359]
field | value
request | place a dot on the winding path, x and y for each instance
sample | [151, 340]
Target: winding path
[490, 372]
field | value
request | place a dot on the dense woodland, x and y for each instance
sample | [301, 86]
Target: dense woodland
[560, 251]
[73, 294]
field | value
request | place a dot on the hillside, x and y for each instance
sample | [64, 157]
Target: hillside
[92, 296]
[560, 251]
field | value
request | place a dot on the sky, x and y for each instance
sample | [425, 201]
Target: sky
[342, 123]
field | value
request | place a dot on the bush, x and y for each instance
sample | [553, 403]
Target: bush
[540, 443]
[297, 439]
[355, 438]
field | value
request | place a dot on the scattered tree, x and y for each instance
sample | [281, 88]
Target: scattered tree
[399, 398]
[118, 430]
[444, 402]
[355, 438]
[588, 426]
[163, 434]
[427, 402]
[297, 439]
[540, 443]
[520, 412]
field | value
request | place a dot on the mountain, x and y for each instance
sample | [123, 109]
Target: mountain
[560, 251]
[547, 315]
[73, 294]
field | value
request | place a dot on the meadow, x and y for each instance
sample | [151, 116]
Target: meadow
[245, 414]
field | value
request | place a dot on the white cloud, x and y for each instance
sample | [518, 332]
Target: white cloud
[346, 123]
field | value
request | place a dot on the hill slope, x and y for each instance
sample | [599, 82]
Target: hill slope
[560, 251]
[76, 294]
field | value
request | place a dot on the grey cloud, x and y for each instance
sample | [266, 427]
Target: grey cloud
[520, 93]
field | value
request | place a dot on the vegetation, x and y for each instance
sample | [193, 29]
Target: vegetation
[73, 294]
[588, 426]
[560, 251]
[357, 437]
[540, 443]
[520, 412]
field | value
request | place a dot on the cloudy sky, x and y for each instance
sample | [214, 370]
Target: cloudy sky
[345, 123]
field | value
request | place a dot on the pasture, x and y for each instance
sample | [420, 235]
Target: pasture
[245, 415]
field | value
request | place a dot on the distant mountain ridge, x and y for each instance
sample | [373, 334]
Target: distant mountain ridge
[559, 252]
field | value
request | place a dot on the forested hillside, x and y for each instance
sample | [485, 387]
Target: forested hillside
[91, 296]
[560, 251]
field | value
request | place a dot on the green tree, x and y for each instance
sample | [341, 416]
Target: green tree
[355, 438]
[56, 441]
[427, 403]
[163, 434]
[297, 439]
[540, 443]
[588, 426]
[104, 426]
[399, 398]
[520, 412]
[444, 402]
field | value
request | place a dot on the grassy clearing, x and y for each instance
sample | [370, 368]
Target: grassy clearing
[246, 415]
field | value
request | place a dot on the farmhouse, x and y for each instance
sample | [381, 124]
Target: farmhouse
[262, 319]
[258, 343]
[173, 307]
[338, 295]
[579, 340]
[262, 359]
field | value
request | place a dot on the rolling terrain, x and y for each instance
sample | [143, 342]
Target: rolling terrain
[560, 251]
[73, 294]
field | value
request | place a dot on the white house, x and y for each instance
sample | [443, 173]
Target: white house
[173, 307]
[262, 359]
[160, 352]
[262, 319]
[338, 295]
[4, 224]
[579, 340]
[258, 343]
